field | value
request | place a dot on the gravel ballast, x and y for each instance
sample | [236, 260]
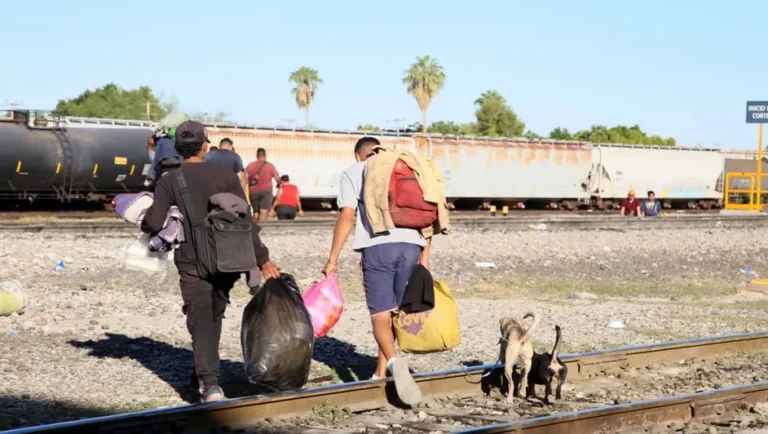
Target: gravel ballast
[97, 339]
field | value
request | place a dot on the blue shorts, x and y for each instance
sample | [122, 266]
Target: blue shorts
[386, 270]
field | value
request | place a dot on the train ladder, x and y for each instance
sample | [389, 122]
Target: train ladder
[68, 165]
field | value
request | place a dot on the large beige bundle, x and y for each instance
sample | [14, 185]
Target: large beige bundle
[12, 297]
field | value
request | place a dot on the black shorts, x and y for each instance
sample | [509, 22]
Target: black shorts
[261, 200]
[285, 212]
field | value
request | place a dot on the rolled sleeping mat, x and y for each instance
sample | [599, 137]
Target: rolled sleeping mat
[12, 297]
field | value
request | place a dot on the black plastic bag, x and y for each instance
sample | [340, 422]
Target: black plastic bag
[277, 336]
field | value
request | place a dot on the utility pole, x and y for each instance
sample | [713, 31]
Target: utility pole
[13, 104]
[397, 123]
[149, 110]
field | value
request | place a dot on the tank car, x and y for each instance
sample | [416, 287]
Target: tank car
[67, 158]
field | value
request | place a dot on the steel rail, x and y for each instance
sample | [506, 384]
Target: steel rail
[243, 412]
[701, 406]
[516, 223]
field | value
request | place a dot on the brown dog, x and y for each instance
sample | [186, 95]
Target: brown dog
[516, 346]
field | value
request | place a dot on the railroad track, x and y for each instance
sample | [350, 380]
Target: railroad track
[512, 223]
[248, 414]
[46, 216]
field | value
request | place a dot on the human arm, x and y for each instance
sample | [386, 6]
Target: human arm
[276, 201]
[298, 203]
[240, 170]
[154, 218]
[347, 202]
[276, 176]
[424, 257]
[622, 211]
[341, 231]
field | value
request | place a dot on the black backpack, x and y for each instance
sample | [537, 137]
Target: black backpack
[222, 241]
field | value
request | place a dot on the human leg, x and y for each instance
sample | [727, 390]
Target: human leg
[198, 307]
[379, 278]
[285, 212]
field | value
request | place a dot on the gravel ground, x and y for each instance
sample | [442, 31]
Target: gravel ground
[623, 386]
[96, 339]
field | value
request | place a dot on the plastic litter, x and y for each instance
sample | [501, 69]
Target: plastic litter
[747, 271]
[138, 257]
[11, 333]
[60, 266]
[277, 336]
[12, 298]
[616, 324]
[485, 265]
[324, 302]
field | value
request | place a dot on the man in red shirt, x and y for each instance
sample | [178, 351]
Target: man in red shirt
[630, 206]
[260, 174]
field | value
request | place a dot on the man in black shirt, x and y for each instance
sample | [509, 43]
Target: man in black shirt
[225, 156]
[205, 300]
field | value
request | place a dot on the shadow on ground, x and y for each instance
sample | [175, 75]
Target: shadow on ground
[171, 364]
[174, 365]
[344, 359]
[20, 412]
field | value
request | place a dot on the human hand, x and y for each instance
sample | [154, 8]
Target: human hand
[301, 213]
[270, 271]
[424, 260]
[330, 268]
[271, 213]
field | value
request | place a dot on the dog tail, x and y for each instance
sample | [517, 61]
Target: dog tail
[558, 341]
[529, 332]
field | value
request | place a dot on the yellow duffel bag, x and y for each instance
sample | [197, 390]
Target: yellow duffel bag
[431, 331]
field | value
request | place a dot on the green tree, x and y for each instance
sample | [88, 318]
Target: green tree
[633, 135]
[369, 127]
[424, 80]
[560, 134]
[532, 136]
[217, 118]
[305, 81]
[113, 102]
[495, 118]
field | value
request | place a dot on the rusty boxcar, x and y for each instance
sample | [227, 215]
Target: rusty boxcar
[75, 157]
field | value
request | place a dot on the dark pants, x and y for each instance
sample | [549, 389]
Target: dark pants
[285, 212]
[261, 200]
[205, 301]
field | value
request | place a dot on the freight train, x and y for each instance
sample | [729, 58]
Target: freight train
[68, 159]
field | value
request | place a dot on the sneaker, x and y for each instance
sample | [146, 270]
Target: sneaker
[212, 394]
[407, 389]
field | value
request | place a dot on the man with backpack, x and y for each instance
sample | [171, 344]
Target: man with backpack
[260, 174]
[388, 260]
[225, 156]
[207, 272]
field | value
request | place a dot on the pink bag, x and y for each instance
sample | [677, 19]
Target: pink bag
[324, 303]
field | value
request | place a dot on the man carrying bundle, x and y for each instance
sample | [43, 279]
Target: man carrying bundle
[392, 240]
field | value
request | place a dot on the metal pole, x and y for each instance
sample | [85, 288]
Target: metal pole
[760, 167]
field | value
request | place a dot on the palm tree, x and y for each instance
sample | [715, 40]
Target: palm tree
[424, 81]
[305, 80]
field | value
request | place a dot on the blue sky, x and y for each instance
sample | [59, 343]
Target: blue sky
[679, 68]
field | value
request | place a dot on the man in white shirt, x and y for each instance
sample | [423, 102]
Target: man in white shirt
[387, 260]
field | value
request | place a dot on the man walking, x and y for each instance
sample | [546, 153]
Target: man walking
[387, 260]
[205, 300]
[260, 174]
[225, 156]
